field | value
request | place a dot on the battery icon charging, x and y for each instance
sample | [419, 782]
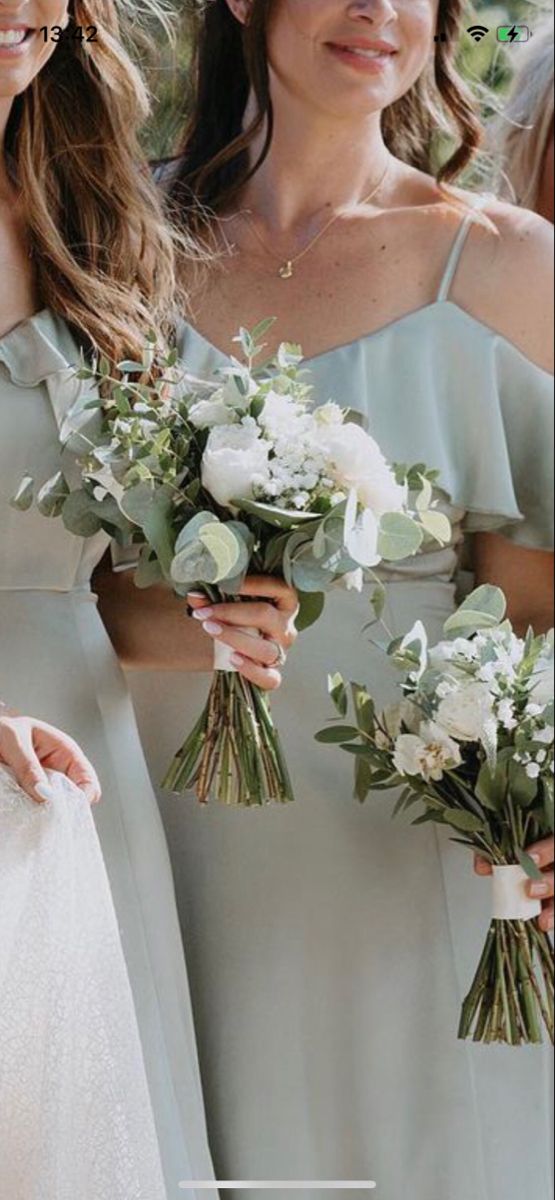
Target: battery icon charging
[513, 33]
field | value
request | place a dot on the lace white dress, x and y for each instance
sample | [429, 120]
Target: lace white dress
[75, 1113]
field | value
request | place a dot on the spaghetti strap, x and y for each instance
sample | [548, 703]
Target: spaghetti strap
[457, 247]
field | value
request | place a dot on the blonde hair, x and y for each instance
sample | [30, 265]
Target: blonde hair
[524, 126]
[104, 256]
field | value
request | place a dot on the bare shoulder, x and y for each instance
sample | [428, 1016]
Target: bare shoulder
[505, 278]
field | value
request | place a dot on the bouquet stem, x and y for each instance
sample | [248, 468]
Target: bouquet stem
[234, 752]
[511, 999]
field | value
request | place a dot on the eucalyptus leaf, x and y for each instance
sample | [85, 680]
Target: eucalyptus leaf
[311, 607]
[282, 518]
[437, 525]
[148, 571]
[191, 530]
[399, 537]
[378, 600]
[224, 546]
[23, 497]
[523, 789]
[485, 608]
[528, 866]
[158, 528]
[307, 574]
[137, 502]
[338, 693]
[78, 515]
[337, 734]
[491, 787]
[194, 564]
[465, 821]
[364, 708]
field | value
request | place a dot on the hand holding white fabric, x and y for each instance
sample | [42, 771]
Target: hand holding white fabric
[75, 1115]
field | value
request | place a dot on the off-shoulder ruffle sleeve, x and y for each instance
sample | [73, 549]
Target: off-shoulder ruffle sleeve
[510, 470]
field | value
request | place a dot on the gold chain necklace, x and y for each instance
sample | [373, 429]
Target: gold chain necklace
[287, 268]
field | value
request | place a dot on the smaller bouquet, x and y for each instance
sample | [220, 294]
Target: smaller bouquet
[472, 742]
[212, 479]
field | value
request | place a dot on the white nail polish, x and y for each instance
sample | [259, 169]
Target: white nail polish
[44, 791]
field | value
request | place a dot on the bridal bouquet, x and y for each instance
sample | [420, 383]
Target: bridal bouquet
[212, 480]
[472, 743]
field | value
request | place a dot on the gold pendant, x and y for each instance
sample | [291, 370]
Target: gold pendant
[286, 271]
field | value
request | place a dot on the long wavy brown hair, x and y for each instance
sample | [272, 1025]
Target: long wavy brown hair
[103, 254]
[230, 62]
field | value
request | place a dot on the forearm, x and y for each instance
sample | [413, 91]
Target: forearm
[525, 576]
[150, 628]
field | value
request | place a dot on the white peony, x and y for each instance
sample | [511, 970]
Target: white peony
[234, 462]
[330, 414]
[206, 414]
[282, 417]
[357, 463]
[467, 712]
[427, 754]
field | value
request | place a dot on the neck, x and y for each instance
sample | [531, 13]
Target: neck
[299, 177]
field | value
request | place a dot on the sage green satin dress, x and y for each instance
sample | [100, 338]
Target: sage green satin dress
[57, 663]
[329, 947]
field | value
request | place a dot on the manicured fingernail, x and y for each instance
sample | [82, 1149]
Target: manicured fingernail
[237, 660]
[44, 791]
[202, 614]
[213, 628]
[540, 889]
[197, 595]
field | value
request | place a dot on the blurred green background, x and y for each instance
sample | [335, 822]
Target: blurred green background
[487, 67]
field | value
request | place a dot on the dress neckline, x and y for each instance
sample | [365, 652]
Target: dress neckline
[367, 338]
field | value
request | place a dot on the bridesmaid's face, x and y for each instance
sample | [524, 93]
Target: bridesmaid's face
[23, 49]
[324, 50]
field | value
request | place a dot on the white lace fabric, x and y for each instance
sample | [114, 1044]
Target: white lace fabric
[75, 1114]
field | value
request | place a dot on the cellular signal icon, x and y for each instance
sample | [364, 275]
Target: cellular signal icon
[478, 32]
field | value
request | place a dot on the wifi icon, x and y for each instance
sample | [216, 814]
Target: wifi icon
[478, 32]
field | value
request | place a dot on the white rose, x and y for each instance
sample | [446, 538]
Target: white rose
[234, 460]
[357, 463]
[465, 714]
[206, 414]
[428, 754]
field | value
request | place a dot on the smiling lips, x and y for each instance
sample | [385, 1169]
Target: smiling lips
[363, 52]
[13, 40]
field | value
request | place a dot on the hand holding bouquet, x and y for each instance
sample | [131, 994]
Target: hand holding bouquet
[472, 742]
[213, 480]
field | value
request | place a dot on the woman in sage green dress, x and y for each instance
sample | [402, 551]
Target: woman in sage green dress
[329, 947]
[61, 290]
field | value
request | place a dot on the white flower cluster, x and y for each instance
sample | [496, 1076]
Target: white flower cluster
[292, 456]
[479, 692]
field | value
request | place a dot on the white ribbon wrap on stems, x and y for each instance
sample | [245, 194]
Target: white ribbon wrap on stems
[223, 654]
[511, 901]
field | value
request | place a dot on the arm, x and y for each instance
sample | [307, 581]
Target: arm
[525, 576]
[151, 629]
[516, 292]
